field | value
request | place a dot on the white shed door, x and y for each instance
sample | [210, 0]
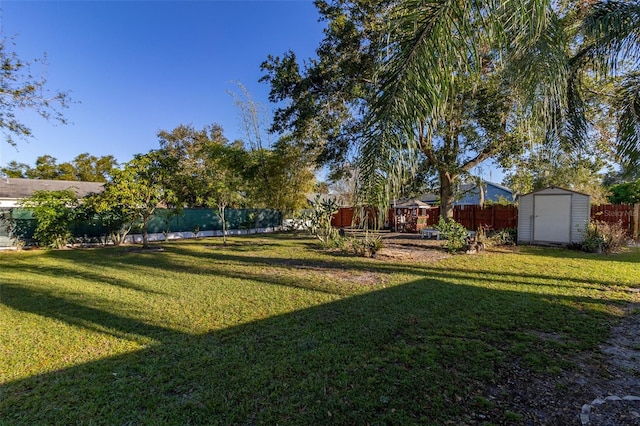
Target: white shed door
[552, 218]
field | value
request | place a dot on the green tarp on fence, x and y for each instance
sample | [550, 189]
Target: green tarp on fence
[189, 220]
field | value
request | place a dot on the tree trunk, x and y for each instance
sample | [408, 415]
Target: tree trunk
[446, 195]
[145, 234]
[221, 209]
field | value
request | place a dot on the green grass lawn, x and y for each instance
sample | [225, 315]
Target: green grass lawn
[268, 330]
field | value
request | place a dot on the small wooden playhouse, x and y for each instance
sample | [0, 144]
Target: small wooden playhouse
[553, 216]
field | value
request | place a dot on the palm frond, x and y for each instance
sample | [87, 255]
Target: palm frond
[612, 34]
[628, 104]
[436, 48]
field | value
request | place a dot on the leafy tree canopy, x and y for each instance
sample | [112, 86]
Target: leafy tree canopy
[625, 193]
[54, 211]
[451, 84]
[84, 167]
[137, 190]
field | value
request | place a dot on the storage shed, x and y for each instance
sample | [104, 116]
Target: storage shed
[553, 216]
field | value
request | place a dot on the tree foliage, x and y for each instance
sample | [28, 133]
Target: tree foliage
[54, 211]
[20, 90]
[447, 84]
[278, 175]
[136, 191]
[206, 170]
[625, 193]
[552, 165]
[84, 167]
[279, 178]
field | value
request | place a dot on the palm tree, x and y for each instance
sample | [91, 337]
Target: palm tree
[611, 30]
[522, 61]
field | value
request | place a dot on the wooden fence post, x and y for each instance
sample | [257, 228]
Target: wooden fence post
[636, 221]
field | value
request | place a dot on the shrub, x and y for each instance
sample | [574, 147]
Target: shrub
[55, 211]
[318, 219]
[603, 236]
[454, 234]
[504, 237]
[366, 246]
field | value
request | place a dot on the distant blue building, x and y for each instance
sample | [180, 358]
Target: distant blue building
[467, 194]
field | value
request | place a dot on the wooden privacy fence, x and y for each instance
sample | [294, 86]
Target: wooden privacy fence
[627, 215]
[473, 217]
[470, 216]
[493, 217]
[345, 217]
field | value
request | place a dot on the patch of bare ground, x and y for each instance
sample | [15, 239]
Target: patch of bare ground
[410, 248]
[365, 278]
[602, 390]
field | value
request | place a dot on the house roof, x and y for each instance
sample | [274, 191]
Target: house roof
[15, 188]
[430, 197]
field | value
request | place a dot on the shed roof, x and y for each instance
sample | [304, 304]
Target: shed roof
[555, 187]
[16, 188]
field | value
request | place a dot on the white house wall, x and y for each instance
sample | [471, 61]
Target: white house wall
[8, 203]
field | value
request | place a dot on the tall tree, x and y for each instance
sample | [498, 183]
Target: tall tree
[20, 90]
[15, 170]
[338, 100]
[206, 170]
[225, 184]
[89, 168]
[610, 35]
[46, 168]
[186, 150]
[279, 176]
[447, 83]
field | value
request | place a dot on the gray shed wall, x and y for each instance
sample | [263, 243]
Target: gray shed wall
[580, 215]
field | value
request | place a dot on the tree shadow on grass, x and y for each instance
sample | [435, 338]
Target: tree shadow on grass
[85, 265]
[416, 353]
[210, 260]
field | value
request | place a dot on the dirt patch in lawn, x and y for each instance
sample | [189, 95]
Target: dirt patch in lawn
[410, 248]
[602, 390]
[413, 248]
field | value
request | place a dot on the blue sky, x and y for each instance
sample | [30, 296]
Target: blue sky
[136, 67]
